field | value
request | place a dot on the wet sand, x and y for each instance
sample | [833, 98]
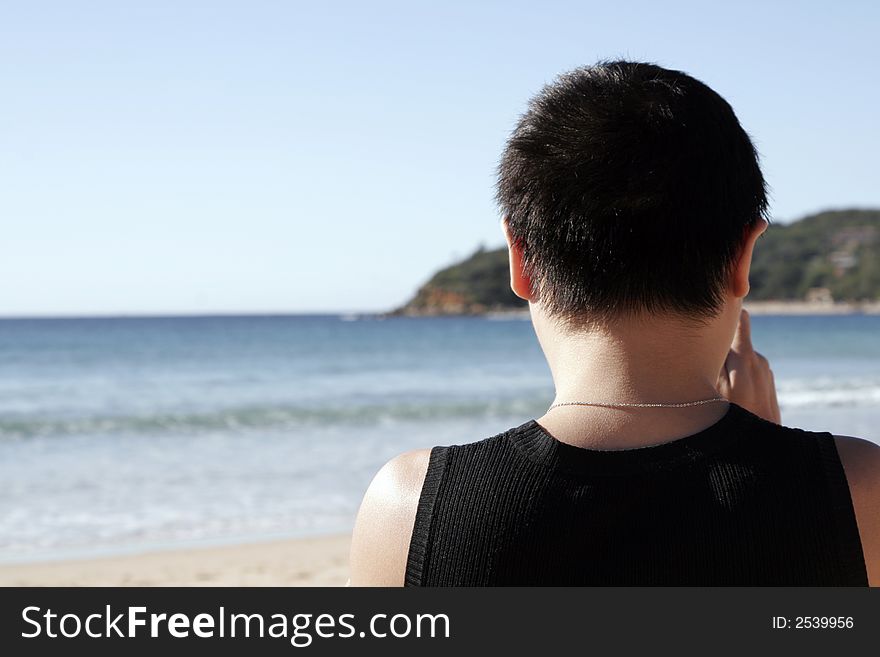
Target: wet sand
[320, 561]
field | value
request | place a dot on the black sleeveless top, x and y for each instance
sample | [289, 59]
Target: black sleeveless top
[743, 502]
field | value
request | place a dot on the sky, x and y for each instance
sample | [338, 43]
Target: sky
[253, 156]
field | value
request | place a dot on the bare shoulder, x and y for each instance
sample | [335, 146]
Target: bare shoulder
[861, 462]
[382, 531]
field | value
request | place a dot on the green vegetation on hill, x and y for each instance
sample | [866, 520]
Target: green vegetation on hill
[828, 256]
[478, 284]
[836, 251]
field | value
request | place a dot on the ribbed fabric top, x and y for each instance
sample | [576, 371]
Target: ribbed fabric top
[743, 502]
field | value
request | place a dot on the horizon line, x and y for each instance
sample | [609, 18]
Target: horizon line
[191, 314]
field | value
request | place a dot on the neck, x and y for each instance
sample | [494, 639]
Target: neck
[642, 360]
[632, 364]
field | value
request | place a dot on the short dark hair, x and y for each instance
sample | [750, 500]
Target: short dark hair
[630, 188]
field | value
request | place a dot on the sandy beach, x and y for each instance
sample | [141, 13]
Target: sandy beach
[319, 561]
[811, 308]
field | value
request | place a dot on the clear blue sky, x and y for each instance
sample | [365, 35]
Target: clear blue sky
[290, 156]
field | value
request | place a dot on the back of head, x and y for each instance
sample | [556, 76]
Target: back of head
[629, 188]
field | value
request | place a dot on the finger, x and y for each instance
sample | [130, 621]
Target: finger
[777, 414]
[774, 400]
[723, 383]
[742, 339]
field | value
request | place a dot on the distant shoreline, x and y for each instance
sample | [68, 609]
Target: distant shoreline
[754, 308]
[812, 308]
[784, 307]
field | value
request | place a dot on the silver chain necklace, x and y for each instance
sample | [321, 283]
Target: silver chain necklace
[699, 402]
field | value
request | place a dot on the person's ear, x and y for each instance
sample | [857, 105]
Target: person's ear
[740, 281]
[520, 282]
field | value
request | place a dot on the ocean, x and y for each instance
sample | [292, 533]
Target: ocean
[136, 433]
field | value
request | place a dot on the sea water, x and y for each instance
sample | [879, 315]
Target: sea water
[129, 433]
